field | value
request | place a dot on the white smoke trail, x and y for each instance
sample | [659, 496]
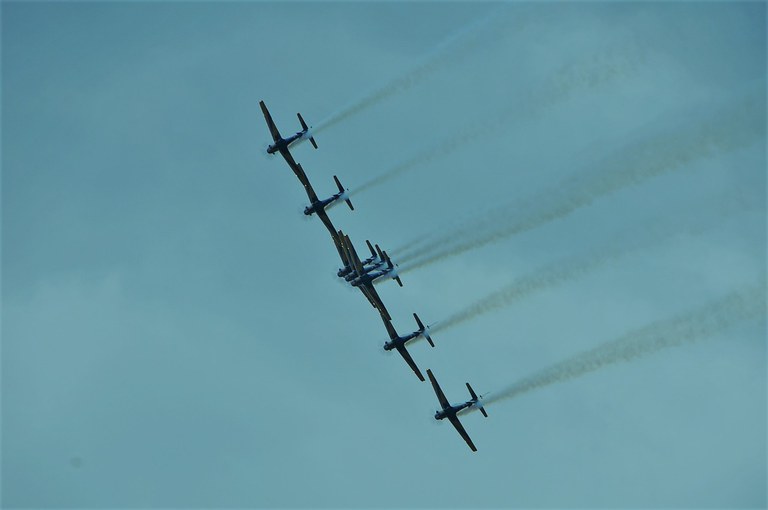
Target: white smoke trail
[597, 71]
[738, 126]
[704, 215]
[703, 322]
[451, 50]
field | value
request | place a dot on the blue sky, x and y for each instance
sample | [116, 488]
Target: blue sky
[173, 330]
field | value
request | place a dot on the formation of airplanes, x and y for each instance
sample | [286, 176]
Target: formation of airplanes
[363, 274]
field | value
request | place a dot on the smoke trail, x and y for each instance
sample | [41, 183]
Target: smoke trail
[521, 288]
[441, 149]
[449, 51]
[703, 322]
[737, 127]
[704, 214]
[568, 79]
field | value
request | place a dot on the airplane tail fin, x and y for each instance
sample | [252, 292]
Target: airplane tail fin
[343, 193]
[370, 247]
[478, 403]
[305, 128]
[424, 330]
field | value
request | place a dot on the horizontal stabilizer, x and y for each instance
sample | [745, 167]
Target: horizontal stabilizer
[301, 120]
[471, 392]
[306, 130]
[424, 331]
[343, 193]
[391, 266]
[477, 404]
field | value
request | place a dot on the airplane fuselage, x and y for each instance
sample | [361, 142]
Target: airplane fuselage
[452, 411]
[350, 276]
[343, 272]
[400, 340]
[283, 143]
[368, 278]
[321, 204]
[361, 280]
[347, 273]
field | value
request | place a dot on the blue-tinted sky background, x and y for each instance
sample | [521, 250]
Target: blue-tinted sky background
[173, 331]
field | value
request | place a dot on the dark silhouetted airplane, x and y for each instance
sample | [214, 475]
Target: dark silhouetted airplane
[451, 411]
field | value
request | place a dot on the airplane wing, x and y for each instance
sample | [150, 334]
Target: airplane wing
[305, 181]
[440, 395]
[354, 257]
[375, 300]
[295, 167]
[334, 235]
[390, 329]
[338, 241]
[367, 289]
[340, 250]
[368, 296]
[310, 191]
[407, 357]
[463, 433]
[327, 222]
[270, 123]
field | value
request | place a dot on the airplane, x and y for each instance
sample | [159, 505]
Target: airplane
[375, 261]
[363, 276]
[371, 274]
[317, 206]
[372, 261]
[362, 281]
[451, 412]
[398, 342]
[281, 144]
